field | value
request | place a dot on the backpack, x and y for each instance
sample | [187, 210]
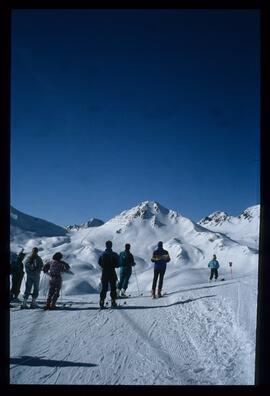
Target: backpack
[126, 259]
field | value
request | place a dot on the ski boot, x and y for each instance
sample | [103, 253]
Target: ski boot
[53, 302]
[159, 294]
[17, 300]
[113, 304]
[24, 303]
[101, 303]
[123, 294]
[47, 305]
[34, 303]
[153, 293]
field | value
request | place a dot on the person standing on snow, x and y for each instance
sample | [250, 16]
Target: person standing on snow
[108, 261]
[126, 262]
[54, 268]
[33, 266]
[213, 265]
[160, 258]
[17, 273]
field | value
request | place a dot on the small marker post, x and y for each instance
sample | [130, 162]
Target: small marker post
[230, 264]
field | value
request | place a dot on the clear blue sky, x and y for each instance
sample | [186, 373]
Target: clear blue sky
[114, 107]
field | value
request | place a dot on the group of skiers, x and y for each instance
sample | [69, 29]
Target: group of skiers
[108, 261]
[33, 265]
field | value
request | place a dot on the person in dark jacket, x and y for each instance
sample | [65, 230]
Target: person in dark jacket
[213, 265]
[33, 266]
[126, 262]
[108, 261]
[160, 258]
[17, 273]
[54, 268]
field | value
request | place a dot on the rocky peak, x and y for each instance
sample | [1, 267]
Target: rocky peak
[214, 218]
[90, 223]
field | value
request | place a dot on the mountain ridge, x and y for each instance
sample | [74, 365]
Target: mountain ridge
[190, 245]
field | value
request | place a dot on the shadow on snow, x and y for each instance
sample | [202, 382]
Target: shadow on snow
[122, 306]
[38, 361]
[165, 306]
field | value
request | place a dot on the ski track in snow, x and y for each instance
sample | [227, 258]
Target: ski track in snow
[197, 336]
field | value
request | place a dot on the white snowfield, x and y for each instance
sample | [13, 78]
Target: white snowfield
[199, 333]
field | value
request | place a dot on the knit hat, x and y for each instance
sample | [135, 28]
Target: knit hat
[57, 256]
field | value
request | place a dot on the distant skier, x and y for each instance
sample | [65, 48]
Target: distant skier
[213, 265]
[33, 266]
[160, 258]
[126, 262]
[54, 268]
[17, 273]
[109, 260]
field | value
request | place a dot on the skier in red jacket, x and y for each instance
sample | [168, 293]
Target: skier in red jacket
[54, 268]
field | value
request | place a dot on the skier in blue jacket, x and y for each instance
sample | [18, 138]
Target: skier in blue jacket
[213, 265]
[126, 262]
[160, 258]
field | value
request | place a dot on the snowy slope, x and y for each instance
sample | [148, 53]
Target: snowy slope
[190, 246]
[24, 226]
[243, 228]
[200, 334]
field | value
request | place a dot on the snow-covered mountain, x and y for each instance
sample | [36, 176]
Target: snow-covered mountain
[30, 226]
[190, 245]
[90, 223]
[243, 228]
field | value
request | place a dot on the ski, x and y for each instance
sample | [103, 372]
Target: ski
[131, 296]
[66, 304]
[124, 297]
[162, 295]
[111, 308]
[157, 296]
[116, 307]
[15, 308]
[106, 308]
[102, 309]
[57, 308]
[21, 307]
[14, 305]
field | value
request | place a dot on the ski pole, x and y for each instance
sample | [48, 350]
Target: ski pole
[230, 264]
[43, 285]
[137, 281]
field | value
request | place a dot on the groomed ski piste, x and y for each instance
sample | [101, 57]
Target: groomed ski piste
[198, 334]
